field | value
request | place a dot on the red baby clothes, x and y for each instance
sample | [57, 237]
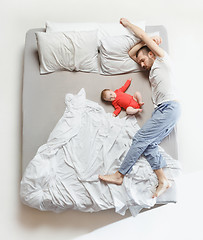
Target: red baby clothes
[124, 100]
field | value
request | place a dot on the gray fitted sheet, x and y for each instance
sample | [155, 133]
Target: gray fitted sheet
[43, 96]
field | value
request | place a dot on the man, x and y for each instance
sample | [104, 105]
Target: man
[151, 57]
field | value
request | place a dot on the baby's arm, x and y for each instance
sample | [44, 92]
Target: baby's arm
[117, 109]
[126, 85]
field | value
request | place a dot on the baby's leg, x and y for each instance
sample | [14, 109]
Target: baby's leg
[138, 97]
[131, 110]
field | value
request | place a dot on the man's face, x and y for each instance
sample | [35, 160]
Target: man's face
[110, 96]
[145, 61]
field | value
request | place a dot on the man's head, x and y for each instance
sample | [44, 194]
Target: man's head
[145, 57]
[108, 95]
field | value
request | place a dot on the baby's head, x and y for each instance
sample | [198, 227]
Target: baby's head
[108, 95]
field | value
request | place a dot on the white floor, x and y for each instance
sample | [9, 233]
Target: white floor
[183, 20]
[172, 221]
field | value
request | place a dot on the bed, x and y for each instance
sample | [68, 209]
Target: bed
[47, 102]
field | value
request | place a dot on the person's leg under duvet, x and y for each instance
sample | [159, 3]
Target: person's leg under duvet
[146, 142]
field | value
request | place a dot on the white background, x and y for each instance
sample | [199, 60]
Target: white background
[183, 20]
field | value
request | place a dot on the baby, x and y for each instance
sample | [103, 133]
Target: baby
[120, 99]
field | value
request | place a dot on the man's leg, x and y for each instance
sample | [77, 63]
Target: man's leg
[163, 119]
[157, 162]
[154, 157]
[150, 135]
[163, 183]
[144, 137]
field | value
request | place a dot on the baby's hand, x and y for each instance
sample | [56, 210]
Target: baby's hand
[130, 79]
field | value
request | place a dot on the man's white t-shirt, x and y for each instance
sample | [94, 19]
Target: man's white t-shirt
[162, 80]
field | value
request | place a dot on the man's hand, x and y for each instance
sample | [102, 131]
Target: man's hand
[157, 40]
[124, 22]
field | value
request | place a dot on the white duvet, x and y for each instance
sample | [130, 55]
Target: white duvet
[87, 142]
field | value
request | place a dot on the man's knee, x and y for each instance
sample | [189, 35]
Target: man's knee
[151, 151]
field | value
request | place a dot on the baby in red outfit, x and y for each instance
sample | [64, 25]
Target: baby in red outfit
[120, 99]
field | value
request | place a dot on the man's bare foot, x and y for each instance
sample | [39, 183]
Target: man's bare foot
[116, 178]
[162, 187]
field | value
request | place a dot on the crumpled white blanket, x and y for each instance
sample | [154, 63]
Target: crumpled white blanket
[87, 142]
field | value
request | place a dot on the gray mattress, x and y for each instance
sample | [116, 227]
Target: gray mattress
[43, 96]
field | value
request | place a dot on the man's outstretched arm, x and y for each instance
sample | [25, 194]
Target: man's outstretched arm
[151, 44]
[133, 51]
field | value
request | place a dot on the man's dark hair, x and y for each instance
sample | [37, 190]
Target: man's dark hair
[144, 49]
